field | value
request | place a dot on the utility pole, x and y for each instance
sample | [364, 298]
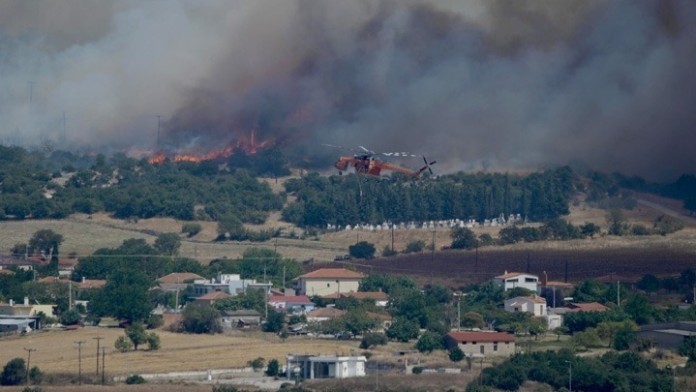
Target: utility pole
[70, 294]
[570, 376]
[432, 252]
[29, 351]
[79, 360]
[618, 293]
[103, 365]
[98, 339]
[392, 227]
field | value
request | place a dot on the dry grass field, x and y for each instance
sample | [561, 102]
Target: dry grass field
[56, 351]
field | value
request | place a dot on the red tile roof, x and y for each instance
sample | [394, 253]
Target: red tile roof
[91, 283]
[332, 273]
[293, 299]
[478, 337]
[179, 277]
[375, 295]
[215, 295]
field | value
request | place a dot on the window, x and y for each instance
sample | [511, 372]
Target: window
[517, 309]
[495, 346]
[530, 280]
[483, 349]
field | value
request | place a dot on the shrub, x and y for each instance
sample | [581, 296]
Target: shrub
[153, 341]
[456, 354]
[388, 251]
[257, 364]
[224, 388]
[429, 341]
[415, 246]
[14, 372]
[123, 344]
[135, 379]
[70, 317]
[35, 375]
[191, 229]
[373, 339]
[154, 321]
[273, 368]
[417, 370]
[362, 250]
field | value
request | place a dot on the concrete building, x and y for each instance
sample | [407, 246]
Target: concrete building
[326, 281]
[291, 303]
[511, 280]
[483, 343]
[23, 317]
[231, 284]
[309, 367]
[533, 304]
[668, 335]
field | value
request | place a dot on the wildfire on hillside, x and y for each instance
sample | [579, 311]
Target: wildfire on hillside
[247, 144]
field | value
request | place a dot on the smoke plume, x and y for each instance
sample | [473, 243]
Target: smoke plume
[473, 84]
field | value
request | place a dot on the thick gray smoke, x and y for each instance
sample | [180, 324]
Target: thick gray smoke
[520, 84]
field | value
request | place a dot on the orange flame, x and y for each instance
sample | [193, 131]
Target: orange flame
[247, 144]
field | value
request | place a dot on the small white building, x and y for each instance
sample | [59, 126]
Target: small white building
[511, 280]
[533, 304]
[309, 367]
[231, 284]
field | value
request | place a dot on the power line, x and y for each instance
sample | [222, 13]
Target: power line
[98, 339]
[29, 351]
[79, 360]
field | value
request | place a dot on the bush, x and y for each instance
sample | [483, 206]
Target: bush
[123, 344]
[373, 339]
[32, 389]
[135, 379]
[388, 251]
[456, 354]
[153, 341]
[417, 370]
[154, 321]
[35, 375]
[429, 341]
[14, 372]
[191, 229]
[224, 388]
[257, 364]
[415, 246]
[362, 250]
[70, 317]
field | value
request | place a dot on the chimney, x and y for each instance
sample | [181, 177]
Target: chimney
[83, 279]
[505, 272]
[26, 301]
[11, 302]
[544, 279]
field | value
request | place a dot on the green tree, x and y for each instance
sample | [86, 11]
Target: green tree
[362, 250]
[168, 243]
[616, 221]
[14, 372]
[430, 341]
[273, 368]
[136, 333]
[472, 319]
[123, 344]
[125, 296]
[70, 317]
[463, 238]
[153, 341]
[589, 229]
[45, 241]
[688, 348]
[229, 226]
[200, 319]
[370, 340]
[257, 363]
[275, 321]
[191, 229]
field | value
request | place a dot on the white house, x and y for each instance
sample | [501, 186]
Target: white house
[314, 366]
[291, 303]
[326, 281]
[533, 304]
[510, 280]
[231, 284]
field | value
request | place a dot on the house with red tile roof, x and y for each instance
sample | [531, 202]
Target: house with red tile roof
[325, 281]
[587, 307]
[323, 314]
[379, 297]
[482, 343]
[177, 280]
[211, 298]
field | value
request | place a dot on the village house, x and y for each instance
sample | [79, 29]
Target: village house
[668, 335]
[211, 298]
[243, 318]
[24, 316]
[533, 304]
[305, 366]
[511, 280]
[177, 281]
[291, 303]
[231, 284]
[323, 314]
[326, 281]
[483, 343]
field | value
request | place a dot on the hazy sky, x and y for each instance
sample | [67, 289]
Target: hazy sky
[511, 84]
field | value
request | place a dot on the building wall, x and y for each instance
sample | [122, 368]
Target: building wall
[528, 306]
[504, 349]
[313, 287]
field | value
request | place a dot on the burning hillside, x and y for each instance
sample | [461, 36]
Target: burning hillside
[249, 145]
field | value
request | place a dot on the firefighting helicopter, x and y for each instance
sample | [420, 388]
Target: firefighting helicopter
[365, 162]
